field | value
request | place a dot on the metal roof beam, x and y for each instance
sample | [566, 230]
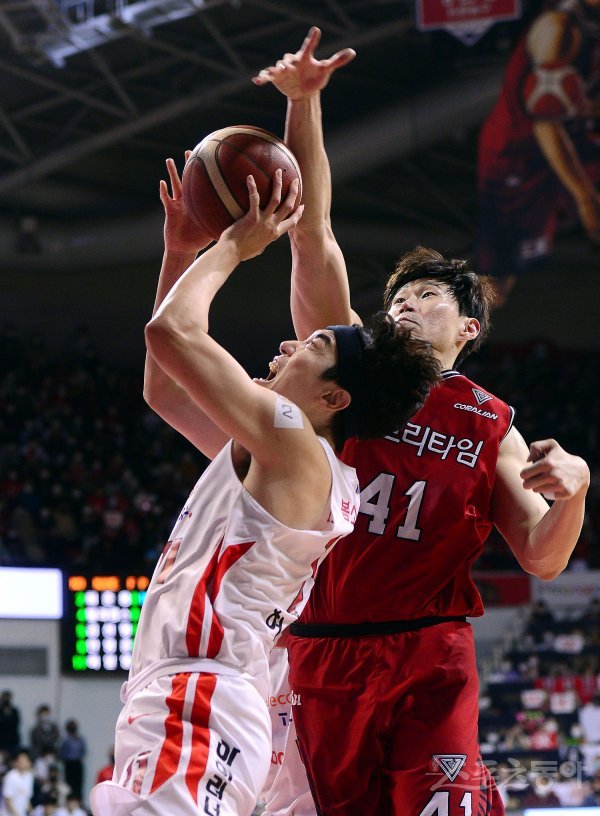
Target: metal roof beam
[144, 16]
[63, 90]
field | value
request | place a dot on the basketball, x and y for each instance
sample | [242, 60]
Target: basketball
[554, 93]
[214, 177]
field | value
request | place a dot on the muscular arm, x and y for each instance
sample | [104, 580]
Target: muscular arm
[183, 239]
[560, 153]
[281, 458]
[554, 41]
[320, 293]
[178, 340]
[542, 538]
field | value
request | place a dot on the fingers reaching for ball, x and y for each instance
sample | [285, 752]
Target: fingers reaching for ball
[176, 190]
[259, 227]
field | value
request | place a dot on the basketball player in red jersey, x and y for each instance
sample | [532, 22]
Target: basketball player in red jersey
[537, 153]
[383, 658]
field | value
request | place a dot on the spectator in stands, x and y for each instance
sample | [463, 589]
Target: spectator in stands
[17, 787]
[10, 724]
[72, 751]
[48, 807]
[589, 719]
[42, 764]
[591, 617]
[541, 621]
[72, 807]
[593, 798]
[53, 786]
[541, 797]
[44, 736]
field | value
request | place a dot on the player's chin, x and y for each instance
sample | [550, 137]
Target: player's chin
[409, 328]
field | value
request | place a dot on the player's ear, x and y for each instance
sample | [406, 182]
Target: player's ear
[470, 329]
[336, 398]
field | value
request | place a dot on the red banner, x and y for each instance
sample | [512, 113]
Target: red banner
[441, 13]
[466, 19]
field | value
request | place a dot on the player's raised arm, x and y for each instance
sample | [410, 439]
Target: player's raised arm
[183, 240]
[552, 44]
[320, 293]
[177, 336]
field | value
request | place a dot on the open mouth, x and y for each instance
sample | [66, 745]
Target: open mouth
[273, 370]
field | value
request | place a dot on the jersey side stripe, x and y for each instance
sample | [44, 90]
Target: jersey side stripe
[197, 607]
[207, 589]
[230, 557]
[168, 760]
[200, 733]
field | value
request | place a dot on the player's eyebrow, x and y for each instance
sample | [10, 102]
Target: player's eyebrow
[323, 336]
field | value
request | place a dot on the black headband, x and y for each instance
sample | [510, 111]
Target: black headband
[350, 346]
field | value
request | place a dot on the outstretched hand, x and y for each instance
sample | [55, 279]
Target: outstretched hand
[181, 233]
[300, 75]
[555, 473]
[258, 228]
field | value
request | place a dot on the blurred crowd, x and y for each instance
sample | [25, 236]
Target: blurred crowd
[540, 713]
[42, 776]
[91, 479]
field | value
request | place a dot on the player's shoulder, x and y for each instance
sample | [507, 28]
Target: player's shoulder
[455, 382]
[464, 394]
[545, 36]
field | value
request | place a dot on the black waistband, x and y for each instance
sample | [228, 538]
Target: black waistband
[315, 630]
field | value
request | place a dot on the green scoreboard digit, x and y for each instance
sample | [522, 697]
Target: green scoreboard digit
[100, 619]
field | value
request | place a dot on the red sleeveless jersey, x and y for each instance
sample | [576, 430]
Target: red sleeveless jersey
[424, 513]
[506, 141]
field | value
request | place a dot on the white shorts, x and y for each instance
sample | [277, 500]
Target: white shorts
[188, 744]
[286, 791]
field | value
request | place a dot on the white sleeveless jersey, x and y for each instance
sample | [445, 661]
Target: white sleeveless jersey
[231, 577]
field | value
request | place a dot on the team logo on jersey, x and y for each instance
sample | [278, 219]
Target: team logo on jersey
[480, 396]
[450, 764]
[275, 621]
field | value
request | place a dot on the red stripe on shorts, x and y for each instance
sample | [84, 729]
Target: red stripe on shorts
[168, 760]
[200, 732]
[208, 586]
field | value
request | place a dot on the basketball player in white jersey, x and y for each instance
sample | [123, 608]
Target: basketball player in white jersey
[194, 735]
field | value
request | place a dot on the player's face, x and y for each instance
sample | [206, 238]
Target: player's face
[296, 372]
[430, 311]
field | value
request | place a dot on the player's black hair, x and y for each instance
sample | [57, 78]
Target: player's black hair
[397, 373]
[473, 293]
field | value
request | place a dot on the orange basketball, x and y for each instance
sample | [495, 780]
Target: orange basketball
[214, 177]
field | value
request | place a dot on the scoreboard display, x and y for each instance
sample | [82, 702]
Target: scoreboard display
[101, 614]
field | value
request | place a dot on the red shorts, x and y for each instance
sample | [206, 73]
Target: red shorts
[388, 723]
